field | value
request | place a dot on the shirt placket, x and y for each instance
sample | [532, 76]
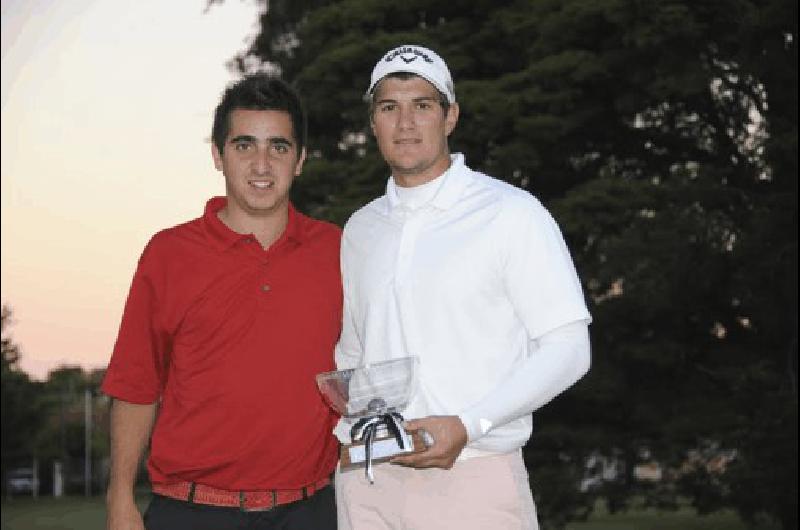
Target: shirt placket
[412, 227]
[262, 278]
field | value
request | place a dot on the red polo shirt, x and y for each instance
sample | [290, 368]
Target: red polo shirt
[229, 337]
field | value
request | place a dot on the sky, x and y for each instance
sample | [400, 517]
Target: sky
[106, 118]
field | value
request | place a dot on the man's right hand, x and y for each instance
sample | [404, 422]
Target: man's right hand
[131, 424]
[123, 514]
[449, 439]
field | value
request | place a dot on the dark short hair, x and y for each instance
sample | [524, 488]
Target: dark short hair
[404, 76]
[259, 92]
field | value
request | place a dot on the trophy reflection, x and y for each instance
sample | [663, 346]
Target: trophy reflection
[371, 397]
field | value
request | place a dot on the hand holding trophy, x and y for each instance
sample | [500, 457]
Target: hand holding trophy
[372, 396]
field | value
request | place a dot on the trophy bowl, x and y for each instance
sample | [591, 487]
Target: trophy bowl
[370, 389]
[372, 396]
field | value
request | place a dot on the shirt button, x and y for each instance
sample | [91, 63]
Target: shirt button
[265, 288]
[248, 240]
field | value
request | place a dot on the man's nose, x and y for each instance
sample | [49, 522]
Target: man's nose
[406, 118]
[262, 161]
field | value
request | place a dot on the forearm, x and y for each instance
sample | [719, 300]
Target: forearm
[131, 425]
[562, 357]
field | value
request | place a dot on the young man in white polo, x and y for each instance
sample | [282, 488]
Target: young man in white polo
[472, 276]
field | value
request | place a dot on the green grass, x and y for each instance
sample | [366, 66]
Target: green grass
[651, 519]
[65, 513]
[79, 513]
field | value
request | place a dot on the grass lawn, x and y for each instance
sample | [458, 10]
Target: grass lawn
[79, 513]
[651, 519]
[48, 513]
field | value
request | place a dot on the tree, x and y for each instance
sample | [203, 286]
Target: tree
[62, 436]
[20, 404]
[45, 420]
[663, 136]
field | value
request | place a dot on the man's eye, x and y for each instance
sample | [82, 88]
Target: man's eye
[424, 105]
[241, 146]
[388, 107]
[281, 148]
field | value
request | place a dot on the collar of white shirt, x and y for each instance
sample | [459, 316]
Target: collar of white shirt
[454, 182]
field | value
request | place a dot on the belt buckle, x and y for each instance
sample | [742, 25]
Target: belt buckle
[243, 503]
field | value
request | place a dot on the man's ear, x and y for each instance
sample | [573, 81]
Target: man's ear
[217, 156]
[451, 119]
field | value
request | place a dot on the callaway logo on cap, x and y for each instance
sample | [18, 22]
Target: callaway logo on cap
[416, 60]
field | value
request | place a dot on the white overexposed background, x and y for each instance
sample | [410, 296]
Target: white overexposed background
[106, 118]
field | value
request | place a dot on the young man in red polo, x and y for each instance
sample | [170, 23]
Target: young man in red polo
[229, 318]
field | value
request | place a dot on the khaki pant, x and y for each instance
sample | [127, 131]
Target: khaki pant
[485, 493]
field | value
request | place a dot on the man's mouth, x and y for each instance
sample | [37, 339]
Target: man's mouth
[262, 184]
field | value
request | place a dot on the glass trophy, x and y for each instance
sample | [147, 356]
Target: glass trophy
[371, 397]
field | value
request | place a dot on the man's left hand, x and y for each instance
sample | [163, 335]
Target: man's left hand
[449, 438]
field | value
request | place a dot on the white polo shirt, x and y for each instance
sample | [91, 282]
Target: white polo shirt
[467, 282]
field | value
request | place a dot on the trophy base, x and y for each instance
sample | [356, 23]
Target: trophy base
[353, 456]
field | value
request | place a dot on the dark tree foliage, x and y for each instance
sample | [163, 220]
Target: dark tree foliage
[62, 437]
[21, 412]
[663, 136]
[46, 420]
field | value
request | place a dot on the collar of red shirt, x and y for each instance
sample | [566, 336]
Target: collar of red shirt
[224, 238]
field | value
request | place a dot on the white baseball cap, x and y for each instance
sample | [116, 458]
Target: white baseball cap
[416, 60]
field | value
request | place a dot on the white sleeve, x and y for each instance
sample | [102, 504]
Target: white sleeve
[349, 351]
[558, 359]
[540, 278]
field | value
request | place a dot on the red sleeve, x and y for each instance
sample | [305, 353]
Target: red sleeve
[138, 368]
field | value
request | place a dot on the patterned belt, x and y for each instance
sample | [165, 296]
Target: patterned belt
[245, 500]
